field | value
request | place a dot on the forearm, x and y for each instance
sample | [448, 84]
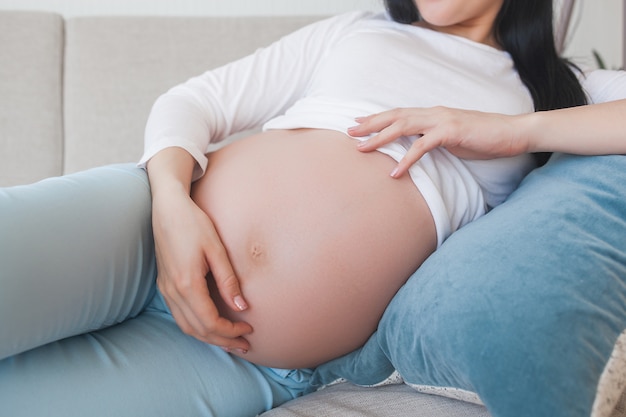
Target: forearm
[595, 129]
[170, 170]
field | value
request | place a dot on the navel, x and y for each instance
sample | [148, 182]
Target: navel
[257, 252]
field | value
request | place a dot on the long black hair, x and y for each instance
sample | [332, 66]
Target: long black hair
[524, 29]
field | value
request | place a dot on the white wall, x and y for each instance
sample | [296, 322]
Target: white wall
[597, 23]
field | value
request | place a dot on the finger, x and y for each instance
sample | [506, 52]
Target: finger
[225, 333]
[196, 315]
[357, 131]
[419, 148]
[386, 135]
[184, 316]
[232, 349]
[214, 338]
[209, 319]
[209, 327]
[215, 335]
[373, 123]
[226, 280]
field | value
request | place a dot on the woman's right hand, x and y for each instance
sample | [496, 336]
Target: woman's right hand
[187, 249]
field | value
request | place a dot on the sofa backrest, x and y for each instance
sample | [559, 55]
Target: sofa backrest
[76, 94]
[115, 68]
[31, 121]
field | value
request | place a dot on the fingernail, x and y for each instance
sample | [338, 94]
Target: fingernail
[242, 351]
[361, 144]
[395, 171]
[240, 303]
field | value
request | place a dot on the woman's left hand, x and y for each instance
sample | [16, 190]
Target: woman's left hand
[464, 133]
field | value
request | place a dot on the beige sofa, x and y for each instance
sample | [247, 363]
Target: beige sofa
[76, 93]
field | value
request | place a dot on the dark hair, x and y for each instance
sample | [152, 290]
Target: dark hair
[524, 29]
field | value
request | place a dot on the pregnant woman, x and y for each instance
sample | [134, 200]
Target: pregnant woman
[290, 243]
[297, 209]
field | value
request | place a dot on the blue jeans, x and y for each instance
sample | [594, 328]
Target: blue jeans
[83, 329]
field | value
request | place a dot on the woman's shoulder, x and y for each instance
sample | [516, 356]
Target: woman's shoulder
[329, 29]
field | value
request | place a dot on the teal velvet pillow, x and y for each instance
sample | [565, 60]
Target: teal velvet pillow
[523, 308]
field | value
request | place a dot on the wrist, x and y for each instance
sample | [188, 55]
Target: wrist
[169, 190]
[170, 172]
[525, 131]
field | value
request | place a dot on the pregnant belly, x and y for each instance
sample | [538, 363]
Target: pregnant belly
[320, 236]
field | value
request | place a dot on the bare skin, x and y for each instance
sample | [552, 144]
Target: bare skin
[188, 246]
[186, 243]
[477, 135]
[320, 237]
[471, 19]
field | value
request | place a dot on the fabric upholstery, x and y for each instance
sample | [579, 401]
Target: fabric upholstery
[117, 67]
[347, 400]
[31, 125]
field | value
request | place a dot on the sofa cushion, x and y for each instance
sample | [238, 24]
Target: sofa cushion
[523, 309]
[347, 400]
[116, 67]
[31, 127]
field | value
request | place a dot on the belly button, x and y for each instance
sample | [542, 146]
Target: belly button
[257, 252]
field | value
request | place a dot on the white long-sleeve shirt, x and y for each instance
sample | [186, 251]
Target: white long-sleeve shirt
[326, 74]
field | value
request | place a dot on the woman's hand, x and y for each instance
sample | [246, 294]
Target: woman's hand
[187, 249]
[466, 134]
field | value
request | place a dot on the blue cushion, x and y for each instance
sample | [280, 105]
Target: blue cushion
[523, 307]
